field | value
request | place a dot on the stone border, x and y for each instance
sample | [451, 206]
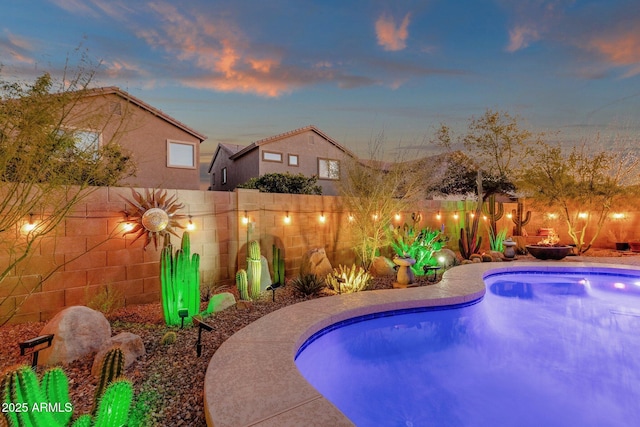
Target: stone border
[252, 379]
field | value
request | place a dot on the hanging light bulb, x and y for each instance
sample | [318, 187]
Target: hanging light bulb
[191, 226]
[455, 215]
[287, 219]
[322, 218]
[245, 218]
[438, 216]
[29, 226]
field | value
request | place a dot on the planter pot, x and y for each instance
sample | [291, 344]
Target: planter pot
[549, 252]
[622, 246]
[635, 246]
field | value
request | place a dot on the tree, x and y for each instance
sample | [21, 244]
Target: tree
[284, 183]
[373, 192]
[582, 183]
[46, 165]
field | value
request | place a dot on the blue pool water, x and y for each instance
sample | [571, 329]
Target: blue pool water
[540, 349]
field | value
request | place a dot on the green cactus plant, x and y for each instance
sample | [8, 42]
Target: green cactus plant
[493, 211]
[254, 269]
[111, 368]
[114, 406]
[55, 387]
[20, 387]
[168, 338]
[518, 220]
[469, 242]
[278, 266]
[180, 282]
[242, 284]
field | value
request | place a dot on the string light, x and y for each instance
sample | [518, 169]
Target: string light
[473, 215]
[583, 215]
[191, 226]
[484, 217]
[322, 218]
[397, 216]
[455, 215]
[29, 226]
[350, 218]
[438, 216]
[509, 215]
[245, 218]
[287, 219]
[375, 217]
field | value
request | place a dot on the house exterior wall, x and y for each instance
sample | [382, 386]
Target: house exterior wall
[239, 171]
[145, 135]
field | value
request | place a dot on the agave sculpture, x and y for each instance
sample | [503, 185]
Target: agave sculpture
[153, 215]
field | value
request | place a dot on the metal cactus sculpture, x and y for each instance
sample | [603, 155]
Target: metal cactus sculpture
[469, 242]
[254, 268]
[180, 282]
[278, 266]
[517, 218]
[111, 368]
[242, 284]
[48, 402]
[493, 211]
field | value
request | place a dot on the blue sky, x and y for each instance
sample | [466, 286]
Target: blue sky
[243, 70]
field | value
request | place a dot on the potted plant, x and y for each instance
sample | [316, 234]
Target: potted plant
[618, 234]
[549, 248]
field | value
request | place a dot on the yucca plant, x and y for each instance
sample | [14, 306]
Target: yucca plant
[348, 280]
[309, 284]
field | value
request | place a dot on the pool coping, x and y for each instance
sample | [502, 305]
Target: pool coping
[252, 379]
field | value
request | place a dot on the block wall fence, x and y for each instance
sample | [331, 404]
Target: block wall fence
[89, 252]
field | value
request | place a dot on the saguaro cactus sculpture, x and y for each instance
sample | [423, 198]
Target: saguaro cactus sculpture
[242, 284]
[518, 220]
[494, 211]
[180, 281]
[278, 266]
[254, 268]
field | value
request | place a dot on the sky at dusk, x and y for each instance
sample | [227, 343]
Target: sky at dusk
[239, 71]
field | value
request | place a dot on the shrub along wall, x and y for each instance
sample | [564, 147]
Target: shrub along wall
[89, 252]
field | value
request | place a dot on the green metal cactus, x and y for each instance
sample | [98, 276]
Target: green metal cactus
[493, 211]
[517, 218]
[21, 388]
[111, 368]
[278, 266]
[254, 269]
[242, 284]
[180, 282]
[114, 406]
[55, 388]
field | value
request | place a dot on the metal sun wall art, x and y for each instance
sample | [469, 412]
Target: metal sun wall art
[153, 216]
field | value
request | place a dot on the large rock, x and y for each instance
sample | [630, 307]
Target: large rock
[131, 345]
[315, 261]
[265, 277]
[78, 331]
[221, 301]
[448, 257]
[382, 266]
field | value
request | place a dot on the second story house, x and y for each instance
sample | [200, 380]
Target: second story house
[305, 150]
[165, 151]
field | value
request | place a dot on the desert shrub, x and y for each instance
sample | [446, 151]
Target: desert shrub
[284, 183]
[108, 300]
[347, 280]
[309, 284]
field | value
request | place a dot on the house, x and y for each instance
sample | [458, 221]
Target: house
[306, 150]
[165, 151]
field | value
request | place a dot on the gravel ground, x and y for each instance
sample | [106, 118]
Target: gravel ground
[170, 378]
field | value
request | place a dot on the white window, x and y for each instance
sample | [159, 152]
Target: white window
[269, 156]
[224, 176]
[293, 160]
[181, 154]
[328, 169]
[87, 141]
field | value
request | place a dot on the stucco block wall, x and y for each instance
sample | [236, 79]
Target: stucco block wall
[89, 252]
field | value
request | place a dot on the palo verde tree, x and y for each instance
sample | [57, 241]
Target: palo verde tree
[373, 191]
[47, 164]
[583, 183]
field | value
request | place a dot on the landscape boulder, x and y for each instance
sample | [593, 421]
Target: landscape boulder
[221, 301]
[78, 331]
[265, 276]
[131, 345]
[448, 256]
[315, 261]
[382, 266]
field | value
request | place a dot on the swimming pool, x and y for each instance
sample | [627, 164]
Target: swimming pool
[547, 347]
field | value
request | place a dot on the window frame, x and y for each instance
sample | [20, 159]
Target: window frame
[297, 163]
[194, 162]
[224, 176]
[328, 160]
[264, 159]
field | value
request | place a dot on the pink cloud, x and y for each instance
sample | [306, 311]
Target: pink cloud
[521, 36]
[390, 36]
[621, 48]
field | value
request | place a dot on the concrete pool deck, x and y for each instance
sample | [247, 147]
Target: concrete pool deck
[252, 379]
